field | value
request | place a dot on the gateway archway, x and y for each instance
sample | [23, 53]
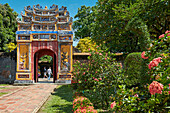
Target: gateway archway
[44, 32]
[38, 55]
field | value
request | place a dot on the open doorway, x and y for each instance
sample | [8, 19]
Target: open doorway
[45, 69]
[45, 64]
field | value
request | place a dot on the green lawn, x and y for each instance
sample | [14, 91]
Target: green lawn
[60, 101]
[4, 84]
[3, 93]
[6, 88]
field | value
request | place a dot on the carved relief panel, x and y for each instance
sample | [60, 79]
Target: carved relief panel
[65, 57]
[23, 57]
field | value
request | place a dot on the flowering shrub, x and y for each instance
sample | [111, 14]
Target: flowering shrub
[154, 94]
[159, 59]
[101, 80]
[98, 77]
[83, 105]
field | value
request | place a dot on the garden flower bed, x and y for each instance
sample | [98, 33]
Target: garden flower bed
[106, 84]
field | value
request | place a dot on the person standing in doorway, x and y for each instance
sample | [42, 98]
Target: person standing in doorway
[49, 73]
[45, 72]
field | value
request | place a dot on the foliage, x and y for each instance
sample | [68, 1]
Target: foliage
[160, 48]
[154, 95]
[98, 77]
[84, 20]
[8, 25]
[118, 24]
[46, 58]
[85, 44]
[125, 25]
[10, 47]
[83, 105]
[134, 62]
[155, 13]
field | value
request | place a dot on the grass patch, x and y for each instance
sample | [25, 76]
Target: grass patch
[60, 101]
[6, 87]
[4, 84]
[3, 93]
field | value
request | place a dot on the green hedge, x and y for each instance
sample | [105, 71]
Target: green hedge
[134, 69]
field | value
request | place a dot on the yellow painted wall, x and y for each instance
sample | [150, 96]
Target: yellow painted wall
[65, 48]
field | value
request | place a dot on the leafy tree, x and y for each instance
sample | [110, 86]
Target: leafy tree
[82, 25]
[156, 15]
[8, 25]
[118, 23]
[46, 58]
[10, 47]
[85, 44]
[126, 25]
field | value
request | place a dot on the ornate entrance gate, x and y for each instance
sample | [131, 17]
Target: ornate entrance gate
[44, 32]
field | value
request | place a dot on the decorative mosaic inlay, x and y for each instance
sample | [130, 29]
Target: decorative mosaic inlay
[64, 76]
[65, 37]
[23, 76]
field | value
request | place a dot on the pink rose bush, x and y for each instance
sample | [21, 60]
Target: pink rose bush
[153, 94]
[83, 105]
[97, 76]
[159, 48]
[155, 87]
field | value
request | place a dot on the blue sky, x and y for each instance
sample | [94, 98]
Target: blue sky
[72, 5]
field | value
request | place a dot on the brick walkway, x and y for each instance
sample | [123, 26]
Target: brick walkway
[26, 100]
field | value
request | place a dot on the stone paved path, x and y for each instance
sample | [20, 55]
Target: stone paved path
[26, 100]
